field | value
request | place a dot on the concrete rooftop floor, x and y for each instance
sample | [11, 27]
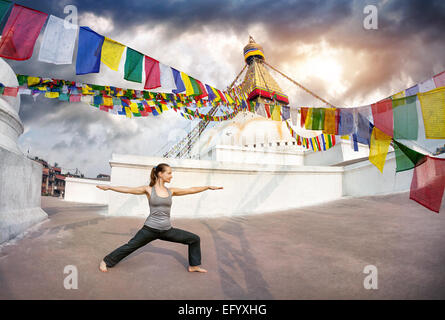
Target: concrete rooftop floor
[316, 252]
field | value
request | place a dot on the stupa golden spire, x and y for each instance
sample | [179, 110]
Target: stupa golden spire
[258, 84]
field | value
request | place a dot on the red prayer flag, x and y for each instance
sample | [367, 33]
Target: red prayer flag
[11, 91]
[152, 73]
[20, 32]
[439, 79]
[103, 108]
[383, 116]
[266, 106]
[203, 89]
[428, 183]
[303, 116]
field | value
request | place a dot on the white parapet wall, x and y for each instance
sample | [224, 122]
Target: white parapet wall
[247, 188]
[85, 190]
[364, 179]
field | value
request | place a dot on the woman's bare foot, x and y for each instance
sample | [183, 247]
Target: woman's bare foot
[196, 269]
[103, 266]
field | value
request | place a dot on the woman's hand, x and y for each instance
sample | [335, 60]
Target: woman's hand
[215, 188]
[103, 187]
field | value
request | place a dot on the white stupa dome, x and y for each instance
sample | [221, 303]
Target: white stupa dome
[249, 129]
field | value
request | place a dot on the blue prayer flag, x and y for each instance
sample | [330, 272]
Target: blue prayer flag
[89, 51]
[180, 87]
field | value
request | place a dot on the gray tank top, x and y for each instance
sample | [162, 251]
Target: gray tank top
[159, 217]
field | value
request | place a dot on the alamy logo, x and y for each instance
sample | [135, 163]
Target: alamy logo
[70, 281]
[370, 281]
[371, 20]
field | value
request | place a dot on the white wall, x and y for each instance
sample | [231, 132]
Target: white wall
[84, 190]
[364, 179]
[248, 188]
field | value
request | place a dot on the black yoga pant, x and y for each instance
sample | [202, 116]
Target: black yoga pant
[147, 234]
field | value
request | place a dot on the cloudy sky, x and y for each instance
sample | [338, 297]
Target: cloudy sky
[321, 44]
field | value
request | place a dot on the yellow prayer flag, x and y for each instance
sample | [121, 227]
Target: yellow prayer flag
[187, 83]
[399, 95]
[134, 107]
[379, 148]
[433, 111]
[329, 121]
[108, 101]
[127, 112]
[164, 107]
[308, 121]
[346, 137]
[50, 94]
[32, 81]
[276, 113]
[112, 53]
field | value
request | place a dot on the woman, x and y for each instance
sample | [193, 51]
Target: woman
[157, 225]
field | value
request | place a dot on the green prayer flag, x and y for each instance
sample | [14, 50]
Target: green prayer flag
[64, 97]
[4, 8]
[22, 79]
[2, 89]
[406, 158]
[405, 118]
[196, 89]
[318, 118]
[133, 65]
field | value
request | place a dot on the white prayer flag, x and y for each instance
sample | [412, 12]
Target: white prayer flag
[58, 41]
[167, 80]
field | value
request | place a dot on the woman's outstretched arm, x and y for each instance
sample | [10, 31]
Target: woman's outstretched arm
[132, 190]
[192, 190]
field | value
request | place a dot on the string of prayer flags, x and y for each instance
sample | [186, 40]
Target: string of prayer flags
[133, 65]
[112, 53]
[58, 41]
[20, 32]
[152, 73]
[89, 51]
[405, 118]
[428, 183]
[406, 158]
[380, 142]
[433, 111]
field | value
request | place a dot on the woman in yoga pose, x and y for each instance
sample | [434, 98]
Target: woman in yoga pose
[157, 225]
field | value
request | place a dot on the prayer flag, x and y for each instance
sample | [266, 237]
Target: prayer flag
[330, 121]
[308, 120]
[302, 117]
[433, 111]
[89, 51]
[285, 112]
[133, 65]
[20, 32]
[405, 118]
[318, 118]
[112, 53]
[346, 121]
[406, 158]
[276, 113]
[167, 79]
[152, 73]
[58, 41]
[428, 183]
[439, 79]
[10, 91]
[180, 87]
[412, 91]
[4, 8]
[380, 142]
[427, 85]
[383, 116]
